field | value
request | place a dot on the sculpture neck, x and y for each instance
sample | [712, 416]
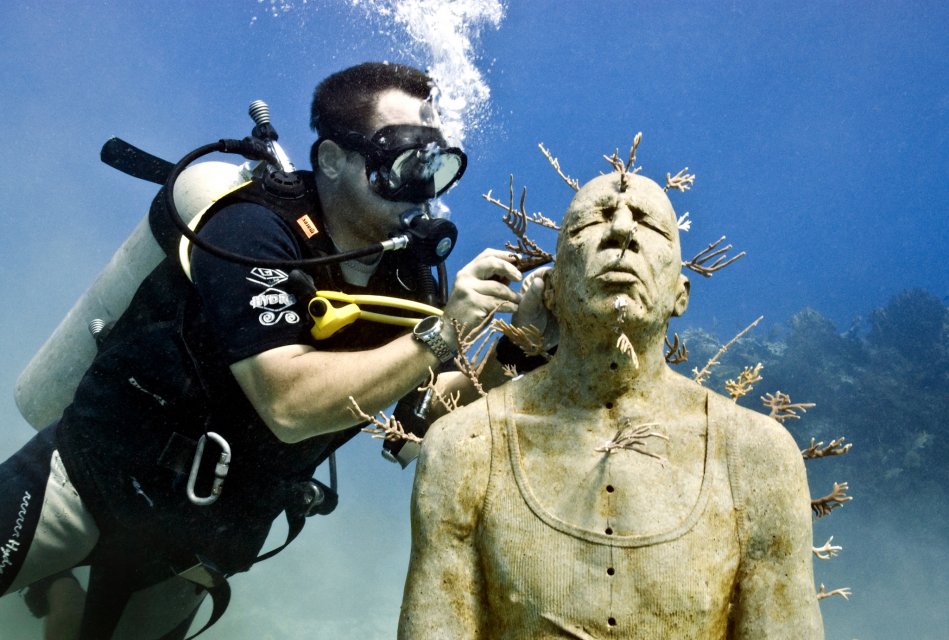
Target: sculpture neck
[601, 372]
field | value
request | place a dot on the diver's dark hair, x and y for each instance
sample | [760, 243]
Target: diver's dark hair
[345, 101]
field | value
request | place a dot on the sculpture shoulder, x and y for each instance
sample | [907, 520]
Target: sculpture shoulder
[453, 468]
[766, 474]
[463, 433]
[755, 439]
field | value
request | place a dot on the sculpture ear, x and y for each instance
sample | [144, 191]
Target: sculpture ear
[683, 288]
[330, 159]
[548, 295]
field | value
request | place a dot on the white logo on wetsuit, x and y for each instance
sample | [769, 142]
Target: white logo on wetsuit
[274, 302]
[13, 543]
[267, 277]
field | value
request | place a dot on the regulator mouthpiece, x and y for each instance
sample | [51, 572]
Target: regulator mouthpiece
[430, 239]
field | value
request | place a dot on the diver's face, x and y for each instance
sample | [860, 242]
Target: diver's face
[371, 217]
[619, 245]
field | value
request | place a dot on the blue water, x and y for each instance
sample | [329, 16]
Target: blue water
[816, 131]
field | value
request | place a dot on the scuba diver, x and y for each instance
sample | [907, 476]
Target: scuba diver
[213, 398]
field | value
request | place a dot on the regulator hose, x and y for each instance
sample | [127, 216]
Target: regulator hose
[254, 149]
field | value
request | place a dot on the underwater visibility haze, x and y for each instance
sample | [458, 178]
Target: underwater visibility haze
[817, 134]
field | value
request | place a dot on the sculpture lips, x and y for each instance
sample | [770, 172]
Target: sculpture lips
[617, 277]
[617, 273]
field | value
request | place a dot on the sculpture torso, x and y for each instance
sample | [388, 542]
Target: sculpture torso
[594, 544]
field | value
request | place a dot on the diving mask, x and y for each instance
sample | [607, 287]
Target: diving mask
[407, 162]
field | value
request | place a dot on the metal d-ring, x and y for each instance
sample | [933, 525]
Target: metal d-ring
[220, 469]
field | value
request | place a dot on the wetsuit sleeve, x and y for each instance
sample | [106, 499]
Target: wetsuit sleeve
[250, 309]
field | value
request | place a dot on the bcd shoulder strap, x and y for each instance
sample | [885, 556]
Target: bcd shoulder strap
[292, 196]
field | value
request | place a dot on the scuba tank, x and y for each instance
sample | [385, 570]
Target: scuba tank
[46, 386]
[48, 383]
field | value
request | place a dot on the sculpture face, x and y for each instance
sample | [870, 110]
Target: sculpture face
[618, 245]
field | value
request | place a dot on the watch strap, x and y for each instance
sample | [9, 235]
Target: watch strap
[433, 340]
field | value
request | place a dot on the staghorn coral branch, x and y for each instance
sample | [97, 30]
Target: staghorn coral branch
[828, 551]
[473, 346]
[818, 450]
[450, 402]
[384, 427]
[701, 375]
[529, 338]
[625, 169]
[571, 182]
[681, 181]
[741, 387]
[836, 498]
[843, 592]
[625, 346]
[633, 438]
[712, 254]
[781, 407]
[616, 162]
[683, 222]
[677, 352]
[509, 371]
[529, 255]
[536, 217]
[631, 163]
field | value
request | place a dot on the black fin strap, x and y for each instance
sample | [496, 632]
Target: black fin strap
[295, 524]
[110, 589]
[221, 593]
[220, 598]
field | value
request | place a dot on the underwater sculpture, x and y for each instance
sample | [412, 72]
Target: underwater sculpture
[604, 494]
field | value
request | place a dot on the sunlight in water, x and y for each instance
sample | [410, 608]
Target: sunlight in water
[442, 37]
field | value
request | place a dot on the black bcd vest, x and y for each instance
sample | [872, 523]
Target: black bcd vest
[158, 383]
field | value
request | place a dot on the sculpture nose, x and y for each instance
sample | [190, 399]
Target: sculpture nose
[623, 229]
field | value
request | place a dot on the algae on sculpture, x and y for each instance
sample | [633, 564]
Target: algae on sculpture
[604, 494]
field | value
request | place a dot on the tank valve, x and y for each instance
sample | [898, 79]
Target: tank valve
[96, 326]
[260, 112]
[99, 329]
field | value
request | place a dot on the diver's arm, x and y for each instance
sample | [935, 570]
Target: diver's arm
[775, 596]
[445, 592]
[301, 392]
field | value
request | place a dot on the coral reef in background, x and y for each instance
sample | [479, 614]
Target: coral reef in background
[884, 382]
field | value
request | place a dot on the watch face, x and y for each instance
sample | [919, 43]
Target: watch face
[427, 324]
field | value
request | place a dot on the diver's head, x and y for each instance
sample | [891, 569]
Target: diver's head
[407, 159]
[380, 151]
[346, 100]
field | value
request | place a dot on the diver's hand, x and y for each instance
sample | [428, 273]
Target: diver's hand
[482, 287]
[532, 311]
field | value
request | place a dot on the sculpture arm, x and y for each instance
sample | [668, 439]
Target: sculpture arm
[775, 595]
[445, 593]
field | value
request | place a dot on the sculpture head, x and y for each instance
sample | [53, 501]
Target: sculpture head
[618, 248]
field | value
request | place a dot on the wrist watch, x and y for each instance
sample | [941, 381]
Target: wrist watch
[429, 331]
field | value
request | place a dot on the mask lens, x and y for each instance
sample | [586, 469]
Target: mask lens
[428, 164]
[421, 173]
